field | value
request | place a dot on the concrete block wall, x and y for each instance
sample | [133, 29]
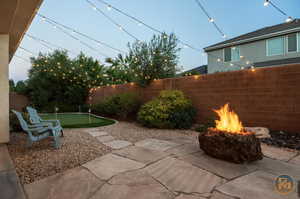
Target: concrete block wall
[268, 97]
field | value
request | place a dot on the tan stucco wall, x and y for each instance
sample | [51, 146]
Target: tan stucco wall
[4, 89]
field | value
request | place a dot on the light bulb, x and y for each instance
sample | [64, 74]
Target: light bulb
[224, 36]
[266, 3]
[109, 7]
[218, 60]
[289, 19]
[211, 20]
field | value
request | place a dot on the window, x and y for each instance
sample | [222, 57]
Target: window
[298, 41]
[227, 54]
[275, 46]
[292, 43]
[232, 54]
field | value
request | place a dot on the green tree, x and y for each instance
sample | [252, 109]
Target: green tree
[21, 87]
[156, 59]
[55, 80]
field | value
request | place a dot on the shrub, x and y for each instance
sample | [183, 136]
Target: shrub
[171, 109]
[120, 105]
[203, 127]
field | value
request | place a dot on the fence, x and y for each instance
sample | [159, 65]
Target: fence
[17, 102]
[268, 97]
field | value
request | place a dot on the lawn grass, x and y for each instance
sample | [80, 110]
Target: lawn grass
[70, 120]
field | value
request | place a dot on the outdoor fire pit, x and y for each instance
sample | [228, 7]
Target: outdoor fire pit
[229, 141]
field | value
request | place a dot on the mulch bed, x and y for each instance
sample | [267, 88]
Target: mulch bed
[43, 160]
[283, 139]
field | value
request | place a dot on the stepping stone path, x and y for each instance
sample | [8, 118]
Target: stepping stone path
[117, 144]
[108, 140]
[105, 138]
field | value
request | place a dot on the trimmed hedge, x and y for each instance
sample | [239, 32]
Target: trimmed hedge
[171, 109]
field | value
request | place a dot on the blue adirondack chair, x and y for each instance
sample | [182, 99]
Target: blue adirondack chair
[34, 118]
[39, 131]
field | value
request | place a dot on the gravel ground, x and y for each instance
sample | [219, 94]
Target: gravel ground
[78, 147]
[283, 139]
[133, 132]
[42, 160]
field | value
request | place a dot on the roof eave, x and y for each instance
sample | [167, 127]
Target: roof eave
[208, 49]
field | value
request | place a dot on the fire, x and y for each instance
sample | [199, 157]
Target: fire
[229, 121]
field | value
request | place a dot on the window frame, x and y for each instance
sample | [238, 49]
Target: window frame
[239, 58]
[297, 43]
[284, 46]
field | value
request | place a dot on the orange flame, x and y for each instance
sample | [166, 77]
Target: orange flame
[229, 120]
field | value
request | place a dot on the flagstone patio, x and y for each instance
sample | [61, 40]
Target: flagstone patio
[166, 169]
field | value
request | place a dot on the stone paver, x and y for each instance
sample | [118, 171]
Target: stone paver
[118, 144]
[278, 167]
[277, 153]
[255, 185]
[97, 133]
[184, 149]
[295, 160]
[185, 196]
[5, 160]
[155, 144]
[218, 195]
[219, 167]
[141, 154]
[106, 138]
[10, 187]
[183, 177]
[184, 140]
[133, 185]
[109, 165]
[76, 183]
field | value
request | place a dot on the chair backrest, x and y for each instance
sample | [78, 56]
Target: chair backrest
[33, 115]
[23, 123]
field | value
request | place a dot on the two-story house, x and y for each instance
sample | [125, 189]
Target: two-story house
[270, 46]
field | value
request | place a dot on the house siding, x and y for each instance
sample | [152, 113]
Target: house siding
[253, 52]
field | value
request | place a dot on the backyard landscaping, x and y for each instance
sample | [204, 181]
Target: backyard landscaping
[78, 120]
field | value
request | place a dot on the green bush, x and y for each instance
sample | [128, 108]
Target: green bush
[171, 109]
[120, 105]
[210, 123]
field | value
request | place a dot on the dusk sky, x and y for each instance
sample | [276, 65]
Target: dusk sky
[183, 17]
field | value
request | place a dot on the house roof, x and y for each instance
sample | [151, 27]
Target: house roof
[200, 69]
[260, 34]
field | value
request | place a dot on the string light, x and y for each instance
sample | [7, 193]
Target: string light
[47, 44]
[266, 3]
[112, 20]
[81, 34]
[22, 58]
[77, 39]
[140, 23]
[210, 19]
[269, 2]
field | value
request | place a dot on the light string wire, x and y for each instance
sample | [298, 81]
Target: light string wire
[140, 22]
[112, 20]
[210, 19]
[76, 38]
[45, 18]
[269, 2]
[22, 58]
[48, 44]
